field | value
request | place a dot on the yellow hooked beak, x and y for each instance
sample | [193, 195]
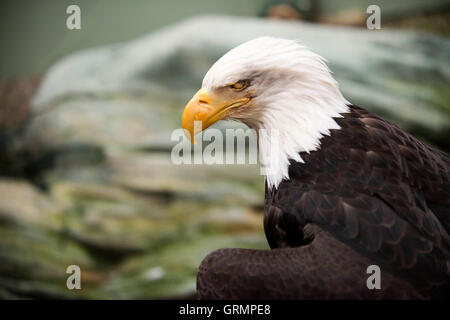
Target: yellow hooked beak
[204, 110]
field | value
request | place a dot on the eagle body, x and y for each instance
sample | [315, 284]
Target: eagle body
[346, 191]
[371, 195]
[376, 189]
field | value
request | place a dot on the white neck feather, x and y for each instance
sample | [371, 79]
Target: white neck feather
[296, 118]
[301, 131]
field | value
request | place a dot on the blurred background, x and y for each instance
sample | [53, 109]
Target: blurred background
[86, 117]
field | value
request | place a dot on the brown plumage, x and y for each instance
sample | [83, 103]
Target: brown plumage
[372, 194]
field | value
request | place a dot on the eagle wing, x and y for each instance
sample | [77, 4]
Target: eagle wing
[375, 188]
[324, 269]
[372, 195]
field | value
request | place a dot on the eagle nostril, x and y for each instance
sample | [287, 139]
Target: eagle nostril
[202, 101]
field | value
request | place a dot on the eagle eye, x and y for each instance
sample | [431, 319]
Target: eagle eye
[239, 85]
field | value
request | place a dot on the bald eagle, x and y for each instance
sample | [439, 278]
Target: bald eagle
[346, 189]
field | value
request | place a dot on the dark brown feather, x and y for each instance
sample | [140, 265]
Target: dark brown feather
[378, 194]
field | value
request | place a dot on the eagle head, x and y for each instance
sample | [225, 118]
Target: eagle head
[270, 83]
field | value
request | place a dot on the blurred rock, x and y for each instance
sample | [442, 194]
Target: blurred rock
[14, 101]
[117, 237]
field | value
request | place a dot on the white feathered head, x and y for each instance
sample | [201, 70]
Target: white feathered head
[270, 83]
